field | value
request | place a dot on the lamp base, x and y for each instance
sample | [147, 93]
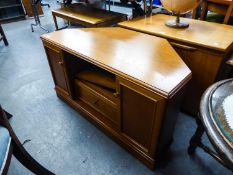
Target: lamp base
[175, 24]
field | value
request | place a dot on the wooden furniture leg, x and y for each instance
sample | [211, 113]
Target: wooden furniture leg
[228, 14]
[204, 10]
[55, 21]
[194, 14]
[196, 11]
[8, 115]
[222, 150]
[196, 138]
[219, 6]
[3, 36]
[196, 142]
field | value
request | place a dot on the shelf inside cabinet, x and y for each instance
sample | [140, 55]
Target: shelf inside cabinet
[99, 81]
[11, 10]
[10, 5]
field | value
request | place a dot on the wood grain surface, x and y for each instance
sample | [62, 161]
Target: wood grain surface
[201, 33]
[148, 60]
[204, 47]
[88, 14]
[149, 78]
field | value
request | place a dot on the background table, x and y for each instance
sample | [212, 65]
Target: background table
[87, 16]
[204, 47]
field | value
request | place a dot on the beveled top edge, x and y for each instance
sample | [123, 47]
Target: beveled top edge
[169, 84]
[211, 36]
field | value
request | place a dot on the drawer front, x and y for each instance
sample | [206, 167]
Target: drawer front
[97, 101]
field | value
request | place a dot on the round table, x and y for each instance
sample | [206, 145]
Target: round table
[216, 119]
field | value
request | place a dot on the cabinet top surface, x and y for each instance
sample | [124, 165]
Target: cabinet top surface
[201, 33]
[147, 60]
[87, 14]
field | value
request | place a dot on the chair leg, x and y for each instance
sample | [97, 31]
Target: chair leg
[196, 12]
[20, 152]
[8, 161]
[228, 14]
[27, 160]
[196, 138]
[8, 115]
[4, 36]
[204, 10]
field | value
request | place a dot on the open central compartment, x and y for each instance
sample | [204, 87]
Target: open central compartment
[97, 79]
[94, 86]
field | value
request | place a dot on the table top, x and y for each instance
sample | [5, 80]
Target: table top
[201, 33]
[146, 60]
[221, 109]
[216, 112]
[86, 13]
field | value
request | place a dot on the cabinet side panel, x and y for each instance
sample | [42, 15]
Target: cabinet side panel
[137, 116]
[56, 65]
[204, 67]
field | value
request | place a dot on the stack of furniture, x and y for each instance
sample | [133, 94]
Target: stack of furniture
[11, 10]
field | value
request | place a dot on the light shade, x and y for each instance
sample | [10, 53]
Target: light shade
[179, 6]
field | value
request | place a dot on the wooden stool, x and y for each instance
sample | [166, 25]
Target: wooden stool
[3, 36]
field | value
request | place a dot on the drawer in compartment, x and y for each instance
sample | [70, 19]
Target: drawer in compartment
[98, 98]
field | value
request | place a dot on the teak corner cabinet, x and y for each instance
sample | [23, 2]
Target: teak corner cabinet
[121, 81]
